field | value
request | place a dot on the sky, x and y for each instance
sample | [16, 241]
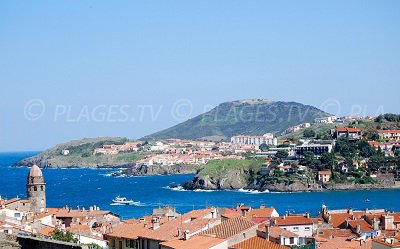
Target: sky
[74, 69]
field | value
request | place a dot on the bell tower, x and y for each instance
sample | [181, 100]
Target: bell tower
[36, 190]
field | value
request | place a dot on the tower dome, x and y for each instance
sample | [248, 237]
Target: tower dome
[35, 171]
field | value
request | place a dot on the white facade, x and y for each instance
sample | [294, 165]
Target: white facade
[267, 139]
[301, 230]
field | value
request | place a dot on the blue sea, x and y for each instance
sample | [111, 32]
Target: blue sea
[87, 187]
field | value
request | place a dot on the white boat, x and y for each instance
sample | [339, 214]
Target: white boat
[122, 201]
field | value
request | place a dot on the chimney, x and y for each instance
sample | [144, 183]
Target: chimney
[262, 206]
[179, 232]
[375, 224]
[186, 235]
[267, 232]
[350, 211]
[155, 223]
[307, 215]
[358, 229]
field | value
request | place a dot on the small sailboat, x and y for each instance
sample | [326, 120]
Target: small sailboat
[367, 200]
[122, 201]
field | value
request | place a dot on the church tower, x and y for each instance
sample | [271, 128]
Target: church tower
[36, 190]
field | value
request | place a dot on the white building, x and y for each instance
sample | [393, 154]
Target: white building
[267, 139]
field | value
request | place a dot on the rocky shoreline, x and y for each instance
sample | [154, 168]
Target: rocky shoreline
[210, 183]
[145, 170]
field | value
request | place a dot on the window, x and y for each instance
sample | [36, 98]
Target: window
[35, 188]
[130, 243]
[295, 228]
[291, 240]
[307, 229]
[41, 188]
[17, 215]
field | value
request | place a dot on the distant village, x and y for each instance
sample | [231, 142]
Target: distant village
[284, 154]
[238, 227]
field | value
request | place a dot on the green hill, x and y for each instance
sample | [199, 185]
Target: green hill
[246, 117]
[81, 155]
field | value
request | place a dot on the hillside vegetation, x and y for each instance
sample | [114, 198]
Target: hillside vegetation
[81, 155]
[247, 117]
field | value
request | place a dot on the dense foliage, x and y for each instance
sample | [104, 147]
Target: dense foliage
[235, 118]
[63, 236]
[388, 117]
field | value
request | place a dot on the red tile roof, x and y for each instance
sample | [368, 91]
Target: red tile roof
[8, 202]
[128, 230]
[195, 242]
[365, 226]
[276, 231]
[192, 221]
[257, 243]
[230, 228]
[347, 129]
[343, 243]
[325, 172]
[293, 220]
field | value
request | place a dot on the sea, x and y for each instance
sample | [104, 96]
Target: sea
[88, 187]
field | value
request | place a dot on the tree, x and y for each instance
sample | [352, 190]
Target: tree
[345, 147]
[308, 159]
[308, 133]
[278, 173]
[328, 160]
[63, 236]
[281, 154]
[365, 149]
[263, 147]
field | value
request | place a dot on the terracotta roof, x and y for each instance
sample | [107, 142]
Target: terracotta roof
[193, 222]
[390, 242]
[44, 214]
[347, 129]
[8, 202]
[230, 228]
[365, 226]
[261, 212]
[331, 233]
[396, 217]
[293, 220]
[231, 215]
[343, 243]
[65, 213]
[128, 230]
[78, 228]
[257, 243]
[195, 242]
[325, 172]
[47, 231]
[339, 219]
[275, 231]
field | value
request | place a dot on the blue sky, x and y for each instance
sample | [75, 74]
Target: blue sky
[73, 69]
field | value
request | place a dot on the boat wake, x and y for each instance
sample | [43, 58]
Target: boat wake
[135, 203]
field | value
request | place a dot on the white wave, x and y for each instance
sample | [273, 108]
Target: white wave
[177, 188]
[204, 190]
[252, 191]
